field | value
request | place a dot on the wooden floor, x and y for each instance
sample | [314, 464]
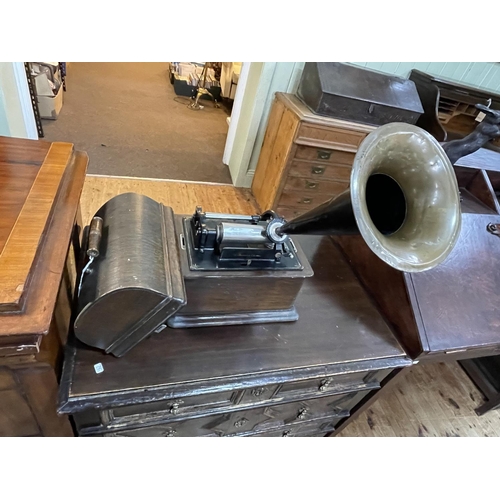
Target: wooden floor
[183, 197]
[435, 399]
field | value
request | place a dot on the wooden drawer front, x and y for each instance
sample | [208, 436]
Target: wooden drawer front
[245, 421]
[178, 406]
[290, 213]
[196, 427]
[315, 171]
[331, 188]
[324, 155]
[336, 384]
[306, 199]
[318, 428]
[346, 140]
[258, 394]
[271, 417]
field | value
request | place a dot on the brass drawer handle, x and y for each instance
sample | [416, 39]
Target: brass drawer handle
[311, 185]
[324, 384]
[174, 409]
[302, 414]
[317, 170]
[306, 201]
[323, 155]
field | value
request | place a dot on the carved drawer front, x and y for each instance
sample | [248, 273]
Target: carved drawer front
[329, 137]
[335, 384]
[324, 155]
[271, 417]
[195, 427]
[264, 419]
[317, 428]
[306, 199]
[316, 171]
[314, 186]
[258, 394]
[175, 406]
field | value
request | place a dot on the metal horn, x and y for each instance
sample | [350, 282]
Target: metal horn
[403, 199]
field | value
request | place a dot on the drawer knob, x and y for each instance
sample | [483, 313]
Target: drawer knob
[258, 392]
[311, 185]
[324, 384]
[317, 170]
[241, 422]
[323, 155]
[302, 414]
[170, 433]
[306, 201]
[174, 409]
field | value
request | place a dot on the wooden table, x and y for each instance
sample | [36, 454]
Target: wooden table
[40, 186]
[283, 379]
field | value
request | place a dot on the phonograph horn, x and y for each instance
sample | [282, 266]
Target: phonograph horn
[403, 199]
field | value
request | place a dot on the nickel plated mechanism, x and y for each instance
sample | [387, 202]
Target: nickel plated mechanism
[226, 241]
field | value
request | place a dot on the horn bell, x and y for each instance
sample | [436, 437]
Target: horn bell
[403, 198]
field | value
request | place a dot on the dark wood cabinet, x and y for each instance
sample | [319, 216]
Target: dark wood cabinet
[283, 379]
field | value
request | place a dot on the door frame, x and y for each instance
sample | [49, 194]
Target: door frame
[20, 119]
[251, 108]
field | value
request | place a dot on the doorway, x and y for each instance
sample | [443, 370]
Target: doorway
[130, 121]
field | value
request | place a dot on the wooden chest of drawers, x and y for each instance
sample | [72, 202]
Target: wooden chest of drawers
[270, 410]
[305, 158]
[283, 379]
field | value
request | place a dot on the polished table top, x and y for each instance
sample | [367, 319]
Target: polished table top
[40, 186]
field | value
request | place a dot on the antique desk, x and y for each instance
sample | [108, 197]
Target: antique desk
[290, 379]
[40, 186]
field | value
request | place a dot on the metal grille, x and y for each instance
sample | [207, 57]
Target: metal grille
[34, 102]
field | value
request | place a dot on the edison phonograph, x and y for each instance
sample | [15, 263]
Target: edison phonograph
[149, 269]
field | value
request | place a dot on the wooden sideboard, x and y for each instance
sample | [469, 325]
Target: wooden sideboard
[40, 187]
[284, 379]
[305, 158]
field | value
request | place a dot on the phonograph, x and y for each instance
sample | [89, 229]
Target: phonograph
[149, 269]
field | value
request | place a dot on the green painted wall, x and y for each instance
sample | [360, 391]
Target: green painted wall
[16, 113]
[4, 124]
[484, 75]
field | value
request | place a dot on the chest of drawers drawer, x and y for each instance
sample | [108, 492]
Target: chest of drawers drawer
[324, 155]
[290, 213]
[247, 421]
[313, 186]
[316, 171]
[329, 137]
[336, 384]
[175, 406]
[260, 409]
[303, 199]
[311, 429]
